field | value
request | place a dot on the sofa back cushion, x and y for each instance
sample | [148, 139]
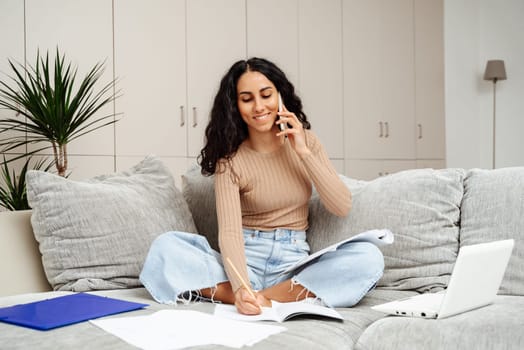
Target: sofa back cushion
[95, 234]
[199, 193]
[493, 209]
[420, 207]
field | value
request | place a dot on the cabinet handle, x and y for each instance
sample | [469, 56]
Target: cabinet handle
[195, 120]
[419, 131]
[387, 129]
[182, 117]
[381, 127]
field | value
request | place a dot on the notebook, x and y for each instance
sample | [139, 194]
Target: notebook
[279, 312]
[64, 310]
[474, 283]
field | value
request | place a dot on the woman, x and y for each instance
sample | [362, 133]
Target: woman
[263, 181]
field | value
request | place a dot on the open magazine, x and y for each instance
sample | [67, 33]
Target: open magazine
[278, 312]
[377, 237]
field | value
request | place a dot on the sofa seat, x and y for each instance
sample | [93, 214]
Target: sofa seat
[497, 326]
[302, 333]
[363, 328]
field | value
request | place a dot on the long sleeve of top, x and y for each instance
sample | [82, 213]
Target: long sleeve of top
[266, 191]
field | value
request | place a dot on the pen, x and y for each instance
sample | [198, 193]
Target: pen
[244, 284]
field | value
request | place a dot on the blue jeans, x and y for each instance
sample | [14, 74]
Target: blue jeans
[180, 262]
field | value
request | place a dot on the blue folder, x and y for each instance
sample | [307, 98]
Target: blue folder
[65, 310]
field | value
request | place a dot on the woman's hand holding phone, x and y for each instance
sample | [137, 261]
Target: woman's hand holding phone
[291, 127]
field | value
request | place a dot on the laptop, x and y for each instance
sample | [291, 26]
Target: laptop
[474, 283]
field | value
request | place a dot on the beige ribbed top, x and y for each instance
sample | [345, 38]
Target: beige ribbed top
[266, 191]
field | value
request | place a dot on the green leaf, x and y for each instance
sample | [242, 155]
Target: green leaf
[13, 194]
[53, 107]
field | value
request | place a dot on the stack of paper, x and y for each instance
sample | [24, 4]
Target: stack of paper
[177, 329]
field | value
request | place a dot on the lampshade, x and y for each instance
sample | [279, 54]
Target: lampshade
[495, 70]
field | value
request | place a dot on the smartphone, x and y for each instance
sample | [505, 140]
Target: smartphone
[282, 126]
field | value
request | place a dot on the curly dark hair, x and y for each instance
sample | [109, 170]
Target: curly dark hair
[226, 129]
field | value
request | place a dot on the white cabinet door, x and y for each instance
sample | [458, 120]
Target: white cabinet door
[167, 100]
[320, 71]
[177, 165]
[86, 167]
[429, 78]
[372, 169]
[431, 163]
[272, 33]
[12, 48]
[379, 78]
[150, 63]
[304, 38]
[83, 31]
[216, 38]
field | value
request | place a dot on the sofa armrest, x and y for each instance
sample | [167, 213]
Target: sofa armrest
[21, 268]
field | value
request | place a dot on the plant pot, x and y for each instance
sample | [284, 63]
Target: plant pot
[21, 268]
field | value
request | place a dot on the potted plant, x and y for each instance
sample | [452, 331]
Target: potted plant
[13, 194]
[52, 107]
[15, 223]
[16, 232]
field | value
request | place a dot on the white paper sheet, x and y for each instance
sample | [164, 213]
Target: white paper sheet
[377, 237]
[178, 329]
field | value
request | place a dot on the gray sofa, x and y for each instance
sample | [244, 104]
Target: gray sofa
[100, 247]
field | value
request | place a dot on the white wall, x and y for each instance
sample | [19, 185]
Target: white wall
[475, 31]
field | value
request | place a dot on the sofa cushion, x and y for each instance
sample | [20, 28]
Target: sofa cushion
[95, 234]
[497, 326]
[492, 209]
[199, 193]
[420, 207]
[304, 333]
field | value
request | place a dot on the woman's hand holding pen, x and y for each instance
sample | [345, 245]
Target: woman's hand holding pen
[295, 133]
[249, 303]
